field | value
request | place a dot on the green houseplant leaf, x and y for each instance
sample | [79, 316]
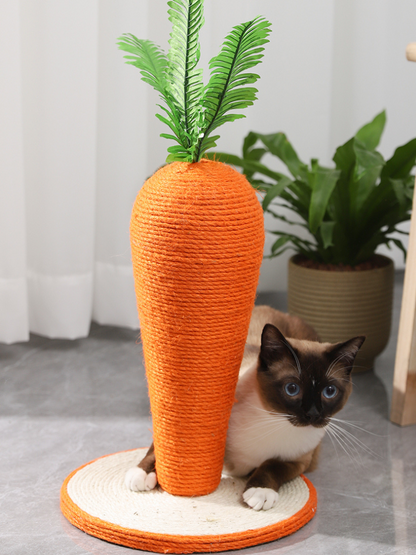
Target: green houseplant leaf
[402, 161]
[322, 181]
[278, 144]
[367, 169]
[348, 210]
[193, 111]
[275, 191]
[327, 232]
[250, 166]
[370, 133]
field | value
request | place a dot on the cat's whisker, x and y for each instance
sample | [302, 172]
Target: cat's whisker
[349, 444]
[349, 434]
[307, 370]
[344, 421]
[353, 425]
[328, 431]
[335, 372]
[336, 438]
[356, 366]
[353, 454]
[334, 362]
[266, 433]
[333, 441]
[265, 421]
[293, 366]
[271, 428]
[354, 444]
[270, 417]
[274, 413]
[264, 424]
[295, 356]
[350, 450]
[333, 378]
[266, 417]
[353, 439]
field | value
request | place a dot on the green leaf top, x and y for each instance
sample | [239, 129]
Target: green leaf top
[227, 88]
[192, 111]
[149, 58]
[185, 81]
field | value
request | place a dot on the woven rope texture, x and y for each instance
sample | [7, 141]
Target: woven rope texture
[94, 499]
[197, 238]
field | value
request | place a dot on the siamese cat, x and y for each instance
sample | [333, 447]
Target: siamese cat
[289, 387]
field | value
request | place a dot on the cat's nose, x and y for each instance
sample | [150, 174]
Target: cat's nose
[312, 413]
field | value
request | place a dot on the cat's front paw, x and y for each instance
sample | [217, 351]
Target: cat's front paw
[260, 498]
[137, 479]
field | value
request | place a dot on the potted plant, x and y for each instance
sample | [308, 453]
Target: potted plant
[197, 237]
[337, 282]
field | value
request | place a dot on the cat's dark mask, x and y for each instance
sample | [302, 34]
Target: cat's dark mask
[307, 380]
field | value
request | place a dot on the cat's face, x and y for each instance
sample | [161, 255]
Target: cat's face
[307, 380]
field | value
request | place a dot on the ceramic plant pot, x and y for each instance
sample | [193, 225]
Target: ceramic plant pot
[341, 305]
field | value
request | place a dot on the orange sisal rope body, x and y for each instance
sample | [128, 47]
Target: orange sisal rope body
[197, 238]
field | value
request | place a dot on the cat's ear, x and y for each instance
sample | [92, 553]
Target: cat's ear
[347, 351]
[273, 344]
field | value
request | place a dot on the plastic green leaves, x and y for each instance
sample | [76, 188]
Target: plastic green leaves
[227, 88]
[193, 111]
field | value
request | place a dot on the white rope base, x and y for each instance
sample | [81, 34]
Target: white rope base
[95, 499]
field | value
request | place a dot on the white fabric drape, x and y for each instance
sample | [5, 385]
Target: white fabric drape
[78, 134]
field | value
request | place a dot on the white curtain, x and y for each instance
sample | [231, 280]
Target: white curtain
[78, 134]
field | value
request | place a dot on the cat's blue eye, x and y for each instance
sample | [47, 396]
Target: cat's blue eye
[292, 389]
[329, 391]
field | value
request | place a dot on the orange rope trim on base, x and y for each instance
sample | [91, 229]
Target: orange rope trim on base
[168, 543]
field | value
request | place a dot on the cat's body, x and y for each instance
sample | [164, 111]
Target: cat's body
[290, 385]
[256, 435]
[252, 436]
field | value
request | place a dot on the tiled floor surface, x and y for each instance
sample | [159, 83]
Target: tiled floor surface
[64, 403]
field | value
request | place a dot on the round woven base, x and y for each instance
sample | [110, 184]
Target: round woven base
[95, 499]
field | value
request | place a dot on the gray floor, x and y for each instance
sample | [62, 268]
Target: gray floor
[64, 403]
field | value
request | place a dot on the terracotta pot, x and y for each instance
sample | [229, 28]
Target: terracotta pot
[341, 305]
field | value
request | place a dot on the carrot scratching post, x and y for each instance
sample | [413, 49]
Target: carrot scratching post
[197, 244]
[197, 238]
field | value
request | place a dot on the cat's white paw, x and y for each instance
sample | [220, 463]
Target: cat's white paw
[137, 479]
[261, 498]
